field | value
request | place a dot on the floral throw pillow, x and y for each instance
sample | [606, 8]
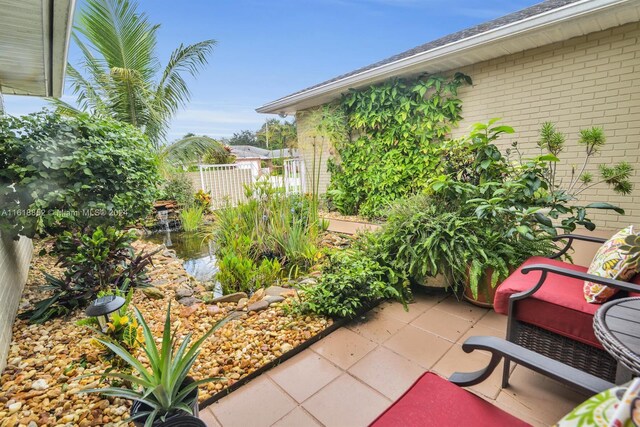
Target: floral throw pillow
[617, 407]
[609, 262]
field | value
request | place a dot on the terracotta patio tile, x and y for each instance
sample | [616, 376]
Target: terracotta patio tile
[456, 360]
[298, 418]
[376, 327]
[418, 345]
[479, 329]
[304, 374]
[258, 403]
[343, 347]
[494, 320]
[396, 310]
[443, 324]
[387, 372]
[209, 419]
[461, 309]
[346, 402]
[539, 397]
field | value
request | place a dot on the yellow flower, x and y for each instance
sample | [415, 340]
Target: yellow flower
[111, 327]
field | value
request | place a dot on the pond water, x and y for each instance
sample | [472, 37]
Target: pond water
[196, 252]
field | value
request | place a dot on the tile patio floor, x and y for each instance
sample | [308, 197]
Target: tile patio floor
[352, 375]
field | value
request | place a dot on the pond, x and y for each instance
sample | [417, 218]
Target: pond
[195, 250]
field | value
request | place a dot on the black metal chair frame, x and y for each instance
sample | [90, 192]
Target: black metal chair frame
[582, 356]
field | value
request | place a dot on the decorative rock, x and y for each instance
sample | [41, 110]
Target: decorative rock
[153, 293]
[258, 306]
[308, 281]
[275, 290]
[189, 301]
[14, 407]
[273, 299]
[183, 292]
[39, 385]
[285, 347]
[189, 310]
[213, 309]
[289, 293]
[169, 253]
[235, 297]
[242, 304]
[257, 295]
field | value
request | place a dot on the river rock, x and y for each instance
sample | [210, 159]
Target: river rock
[257, 296]
[285, 347]
[275, 291]
[189, 301]
[183, 292]
[213, 309]
[258, 306]
[242, 303]
[273, 299]
[153, 293]
[39, 385]
[235, 297]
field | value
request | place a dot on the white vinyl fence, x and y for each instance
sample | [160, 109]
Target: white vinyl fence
[226, 183]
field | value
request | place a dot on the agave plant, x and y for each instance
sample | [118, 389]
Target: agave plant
[161, 388]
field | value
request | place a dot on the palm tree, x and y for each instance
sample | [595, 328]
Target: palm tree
[120, 75]
[191, 149]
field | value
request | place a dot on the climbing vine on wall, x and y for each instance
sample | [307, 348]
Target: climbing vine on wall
[394, 129]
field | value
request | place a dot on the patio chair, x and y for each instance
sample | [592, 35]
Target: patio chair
[434, 401]
[547, 312]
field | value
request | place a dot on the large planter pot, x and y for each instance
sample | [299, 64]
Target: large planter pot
[486, 292]
[175, 419]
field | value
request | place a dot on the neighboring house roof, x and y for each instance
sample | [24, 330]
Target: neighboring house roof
[544, 23]
[251, 152]
[34, 40]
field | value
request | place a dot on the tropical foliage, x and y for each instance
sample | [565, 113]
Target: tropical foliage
[119, 74]
[190, 150]
[60, 173]
[399, 123]
[162, 386]
[94, 261]
[263, 236]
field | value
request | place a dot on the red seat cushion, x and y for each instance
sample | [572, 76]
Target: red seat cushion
[434, 401]
[558, 306]
[635, 280]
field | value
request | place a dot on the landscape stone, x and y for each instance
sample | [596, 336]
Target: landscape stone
[153, 293]
[275, 291]
[39, 385]
[273, 299]
[242, 303]
[258, 306]
[188, 301]
[235, 297]
[213, 309]
[183, 292]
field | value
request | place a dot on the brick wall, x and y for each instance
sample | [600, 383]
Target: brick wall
[587, 81]
[14, 266]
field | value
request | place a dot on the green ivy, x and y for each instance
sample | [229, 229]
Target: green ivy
[394, 129]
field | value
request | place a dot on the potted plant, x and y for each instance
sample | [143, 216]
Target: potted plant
[163, 393]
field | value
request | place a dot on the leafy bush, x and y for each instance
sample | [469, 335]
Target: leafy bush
[178, 188]
[350, 280]
[203, 200]
[399, 124]
[99, 260]
[61, 173]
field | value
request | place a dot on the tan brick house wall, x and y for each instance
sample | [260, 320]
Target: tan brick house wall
[307, 123]
[586, 81]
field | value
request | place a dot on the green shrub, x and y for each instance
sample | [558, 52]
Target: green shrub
[178, 188]
[349, 281]
[61, 173]
[99, 260]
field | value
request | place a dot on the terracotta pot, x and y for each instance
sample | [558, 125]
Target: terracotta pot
[486, 292]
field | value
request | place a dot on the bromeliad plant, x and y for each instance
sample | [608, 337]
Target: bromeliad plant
[162, 389]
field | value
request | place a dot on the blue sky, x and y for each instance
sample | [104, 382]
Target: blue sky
[268, 49]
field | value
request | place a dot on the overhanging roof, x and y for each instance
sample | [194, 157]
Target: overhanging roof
[34, 40]
[545, 23]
